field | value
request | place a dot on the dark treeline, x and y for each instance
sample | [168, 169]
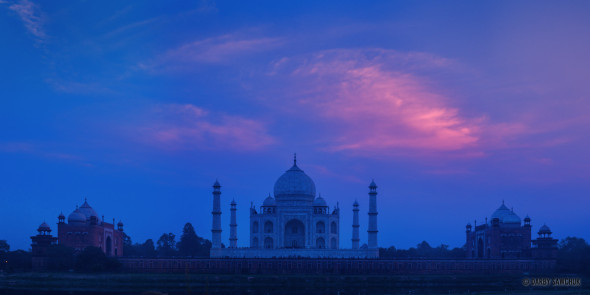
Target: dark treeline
[423, 250]
[573, 255]
[92, 259]
[190, 245]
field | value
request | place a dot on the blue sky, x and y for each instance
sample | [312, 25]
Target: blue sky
[451, 107]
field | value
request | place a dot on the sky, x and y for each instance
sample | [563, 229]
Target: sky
[451, 107]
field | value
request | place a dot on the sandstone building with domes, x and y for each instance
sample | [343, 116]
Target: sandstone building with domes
[294, 223]
[504, 236]
[82, 229]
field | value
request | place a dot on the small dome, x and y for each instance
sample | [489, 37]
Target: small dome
[216, 184]
[320, 202]
[61, 215]
[120, 223]
[269, 202]
[356, 203]
[468, 224]
[76, 216]
[44, 227]
[87, 210]
[527, 218]
[294, 182]
[544, 229]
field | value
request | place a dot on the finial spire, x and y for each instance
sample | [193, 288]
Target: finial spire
[295, 159]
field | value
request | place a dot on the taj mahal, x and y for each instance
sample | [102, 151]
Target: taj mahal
[295, 223]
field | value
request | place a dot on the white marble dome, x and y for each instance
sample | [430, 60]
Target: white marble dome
[294, 182]
[505, 215]
[76, 216]
[511, 218]
[87, 210]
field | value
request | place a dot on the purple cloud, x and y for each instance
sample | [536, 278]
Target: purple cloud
[217, 50]
[188, 127]
[31, 16]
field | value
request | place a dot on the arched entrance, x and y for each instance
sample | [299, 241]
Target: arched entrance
[320, 243]
[268, 243]
[480, 248]
[294, 234]
[109, 246]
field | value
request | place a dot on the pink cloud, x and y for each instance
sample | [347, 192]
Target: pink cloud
[188, 127]
[374, 107]
[30, 14]
[376, 101]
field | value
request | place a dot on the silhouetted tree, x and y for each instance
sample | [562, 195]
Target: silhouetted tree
[18, 260]
[60, 258]
[191, 244]
[92, 259]
[148, 249]
[4, 247]
[388, 252]
[167, 245]
[422, 250]
[458, 252]
[573, 255]
[130, 249]
[189, 241]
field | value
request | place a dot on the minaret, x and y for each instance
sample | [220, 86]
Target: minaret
[355, 225]
[216, 227]
[372, 216]
[233, 227]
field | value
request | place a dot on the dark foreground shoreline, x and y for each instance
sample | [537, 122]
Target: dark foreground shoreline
[123, 283]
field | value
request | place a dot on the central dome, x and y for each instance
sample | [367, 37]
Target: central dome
[505, 215]
[294, 184]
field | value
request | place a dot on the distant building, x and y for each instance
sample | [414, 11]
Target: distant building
[544, 247]
[42, 240]
[294, 223]
[504, 236]
[84, 229]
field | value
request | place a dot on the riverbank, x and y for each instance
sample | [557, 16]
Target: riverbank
[123, 284]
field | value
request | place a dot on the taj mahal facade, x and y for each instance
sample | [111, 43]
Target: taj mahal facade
[294, 223]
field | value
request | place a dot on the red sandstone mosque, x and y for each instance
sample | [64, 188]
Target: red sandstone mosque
[505, 237]
[82, 229]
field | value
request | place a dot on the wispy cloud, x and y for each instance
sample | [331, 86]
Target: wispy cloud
[217, 50]
[131, 26]
[373, 105]
[188, 127]
[31, 16]
[373, 101]
[38, 150]
[73, 87]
